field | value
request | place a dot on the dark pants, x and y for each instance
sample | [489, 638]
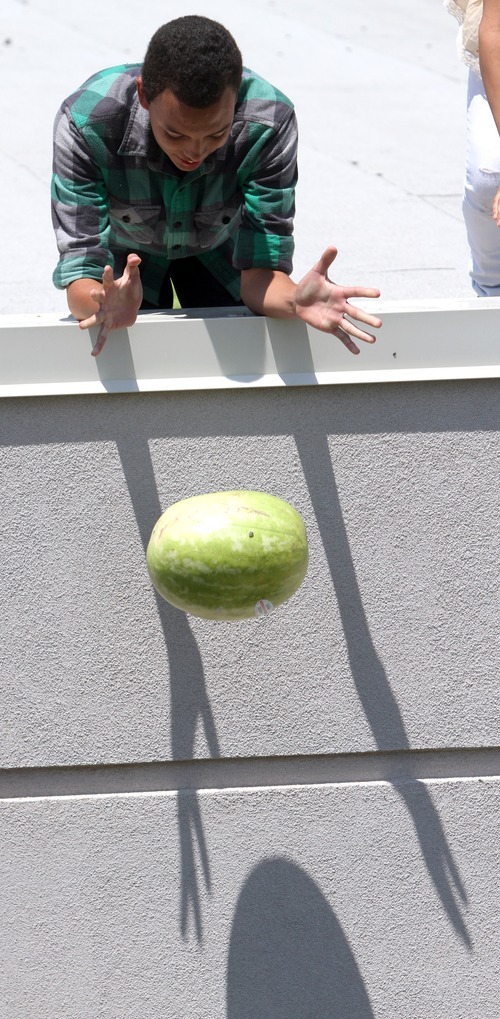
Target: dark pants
[195, 287]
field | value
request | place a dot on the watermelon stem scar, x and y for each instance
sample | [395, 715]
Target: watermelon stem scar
[199, 560]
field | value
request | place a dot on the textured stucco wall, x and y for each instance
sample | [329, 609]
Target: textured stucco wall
[355, 871]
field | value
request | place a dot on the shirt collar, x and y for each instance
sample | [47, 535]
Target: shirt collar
[139, 140]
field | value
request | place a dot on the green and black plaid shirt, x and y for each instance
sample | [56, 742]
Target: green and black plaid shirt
[114, 191]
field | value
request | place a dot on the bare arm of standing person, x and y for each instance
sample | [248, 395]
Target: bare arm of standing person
[489, 61]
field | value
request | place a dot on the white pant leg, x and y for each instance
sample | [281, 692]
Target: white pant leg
[482, 180]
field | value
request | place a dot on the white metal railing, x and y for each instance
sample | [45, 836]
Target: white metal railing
[221, 348]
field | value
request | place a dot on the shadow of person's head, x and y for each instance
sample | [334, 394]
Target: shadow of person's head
[288, 956]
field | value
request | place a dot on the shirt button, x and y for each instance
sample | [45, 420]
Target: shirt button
[175, 247]
[226, 219]
[125, 219]
[177, 225]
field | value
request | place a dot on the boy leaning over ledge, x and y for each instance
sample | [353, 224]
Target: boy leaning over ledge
[182, 171]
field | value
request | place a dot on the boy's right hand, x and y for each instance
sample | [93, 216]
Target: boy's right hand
[119, 301]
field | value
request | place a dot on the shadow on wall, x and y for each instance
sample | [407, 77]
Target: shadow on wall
[190, 704]
[189, 700]
[288, 955]
[374, 690]
[275, 345]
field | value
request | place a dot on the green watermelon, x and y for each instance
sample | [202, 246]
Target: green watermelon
[228, 555]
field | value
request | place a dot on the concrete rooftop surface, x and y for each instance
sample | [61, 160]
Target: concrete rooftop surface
[380, 95]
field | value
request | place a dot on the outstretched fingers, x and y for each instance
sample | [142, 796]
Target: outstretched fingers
[324, 263]
[360, 291]
[87, 323]
[360, 315]
[352, 330]
[348, 329]
[99, 343]
[133, 263]
[107, 279]
[98, 296]
[346, 340]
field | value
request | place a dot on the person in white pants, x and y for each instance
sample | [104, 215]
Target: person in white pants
[479, 47]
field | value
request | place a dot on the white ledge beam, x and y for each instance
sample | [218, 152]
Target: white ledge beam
[220, 349]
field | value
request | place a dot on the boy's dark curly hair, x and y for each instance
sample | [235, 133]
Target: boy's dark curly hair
[194, 57]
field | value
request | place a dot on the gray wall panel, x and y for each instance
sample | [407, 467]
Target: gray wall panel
[355, 901]
[271, 820]
[384, 646]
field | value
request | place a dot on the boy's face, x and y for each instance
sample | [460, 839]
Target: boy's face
[186, 134]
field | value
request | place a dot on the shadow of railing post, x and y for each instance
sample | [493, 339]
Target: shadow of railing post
[189, 699]
[369, 677]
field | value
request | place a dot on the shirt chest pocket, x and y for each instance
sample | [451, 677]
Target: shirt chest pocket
[134, 224]
[213, 225]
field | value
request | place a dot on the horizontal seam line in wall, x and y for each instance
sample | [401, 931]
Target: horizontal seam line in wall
[395, 767]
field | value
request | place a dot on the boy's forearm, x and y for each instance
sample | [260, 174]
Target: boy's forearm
[268, 292]
[80, 303]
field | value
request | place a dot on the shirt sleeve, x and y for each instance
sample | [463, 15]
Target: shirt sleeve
[79, 206]
[265, 236]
